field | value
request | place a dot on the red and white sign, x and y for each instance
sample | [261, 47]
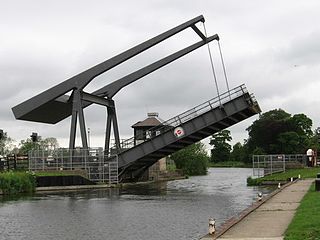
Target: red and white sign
[178, 132]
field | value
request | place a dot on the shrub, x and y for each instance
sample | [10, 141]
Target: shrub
[193, 160]
[253, 181]
[17, 182]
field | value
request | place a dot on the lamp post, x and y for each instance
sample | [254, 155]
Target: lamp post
[2, 143]
[89, 138]
[318, 133]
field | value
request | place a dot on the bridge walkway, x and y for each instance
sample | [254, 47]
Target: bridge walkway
[271, 219]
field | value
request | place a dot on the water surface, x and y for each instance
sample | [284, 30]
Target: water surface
[168, 210]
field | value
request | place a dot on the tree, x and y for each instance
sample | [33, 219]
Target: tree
[27, 145]
[264, 131]
[301, 124]
[49, 143]
[239, 153]
[42, 144]
[289, 142]
[193, 160]
[5, 144]
[277, 131]
[221, 148]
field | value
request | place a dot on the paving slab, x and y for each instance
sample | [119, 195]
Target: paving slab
[278, 206]
[288, 197]
[255, 238]
[261, 224]
[272, 238]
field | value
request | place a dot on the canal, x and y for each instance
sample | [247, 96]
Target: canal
[168, 210]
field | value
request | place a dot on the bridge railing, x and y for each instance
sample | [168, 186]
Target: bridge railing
[184, 117]
[97, 166]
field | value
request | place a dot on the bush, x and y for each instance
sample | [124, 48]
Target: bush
[193, 160]
[17, 182]
[253, 181]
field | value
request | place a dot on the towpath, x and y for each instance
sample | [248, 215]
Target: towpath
[270, 220]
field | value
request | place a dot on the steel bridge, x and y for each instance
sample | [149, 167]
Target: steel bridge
[54, 105]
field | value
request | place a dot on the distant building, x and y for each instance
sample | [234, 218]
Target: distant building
[143, 130]
[148, 128]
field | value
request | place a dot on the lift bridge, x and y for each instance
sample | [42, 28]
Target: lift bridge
[135, 157]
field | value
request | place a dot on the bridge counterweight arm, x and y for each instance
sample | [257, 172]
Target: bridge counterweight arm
[80, 81]
[111, 89]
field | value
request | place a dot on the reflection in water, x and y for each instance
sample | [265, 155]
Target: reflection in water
[167, 210]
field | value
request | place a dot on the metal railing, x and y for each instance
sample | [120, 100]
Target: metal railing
[184, 117]
[263, 165]
[97, 166]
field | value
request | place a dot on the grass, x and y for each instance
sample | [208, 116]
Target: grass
[171, 167]
[14, 182]
[284, 176]
[59, 173]
[306, 222]
[17, 182]
[229, 164]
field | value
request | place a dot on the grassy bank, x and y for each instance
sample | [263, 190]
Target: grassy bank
[230, 164]
[60, 173]
[17, 182]
[284, 176]
[306, 222]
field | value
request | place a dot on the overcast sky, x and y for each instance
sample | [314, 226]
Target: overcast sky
[271, 46]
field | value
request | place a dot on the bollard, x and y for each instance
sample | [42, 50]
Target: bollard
[279, 185]
[317, 184]
[259, 196]
[299, 176]
[212, 226]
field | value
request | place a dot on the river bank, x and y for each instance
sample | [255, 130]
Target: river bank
[96, 186]
[230, 164]
[302, 173]
[100, 186]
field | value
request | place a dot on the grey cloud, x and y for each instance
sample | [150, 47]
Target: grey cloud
[46, 43]
[303, 51]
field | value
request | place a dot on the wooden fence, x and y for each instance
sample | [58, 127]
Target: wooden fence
[14, 162]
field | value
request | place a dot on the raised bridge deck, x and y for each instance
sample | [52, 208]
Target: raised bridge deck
[196, 124]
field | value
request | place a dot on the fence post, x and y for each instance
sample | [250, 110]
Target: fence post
[271, 164]
[253, 166]
[29, 161]
[42, 160]
[259, 166]
[62, 158]
[15, 161]
[179, 120]
[8, 163]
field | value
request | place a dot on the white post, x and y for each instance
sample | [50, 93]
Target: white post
[212, 226]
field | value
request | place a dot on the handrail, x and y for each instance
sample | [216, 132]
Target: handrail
[184, 117]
